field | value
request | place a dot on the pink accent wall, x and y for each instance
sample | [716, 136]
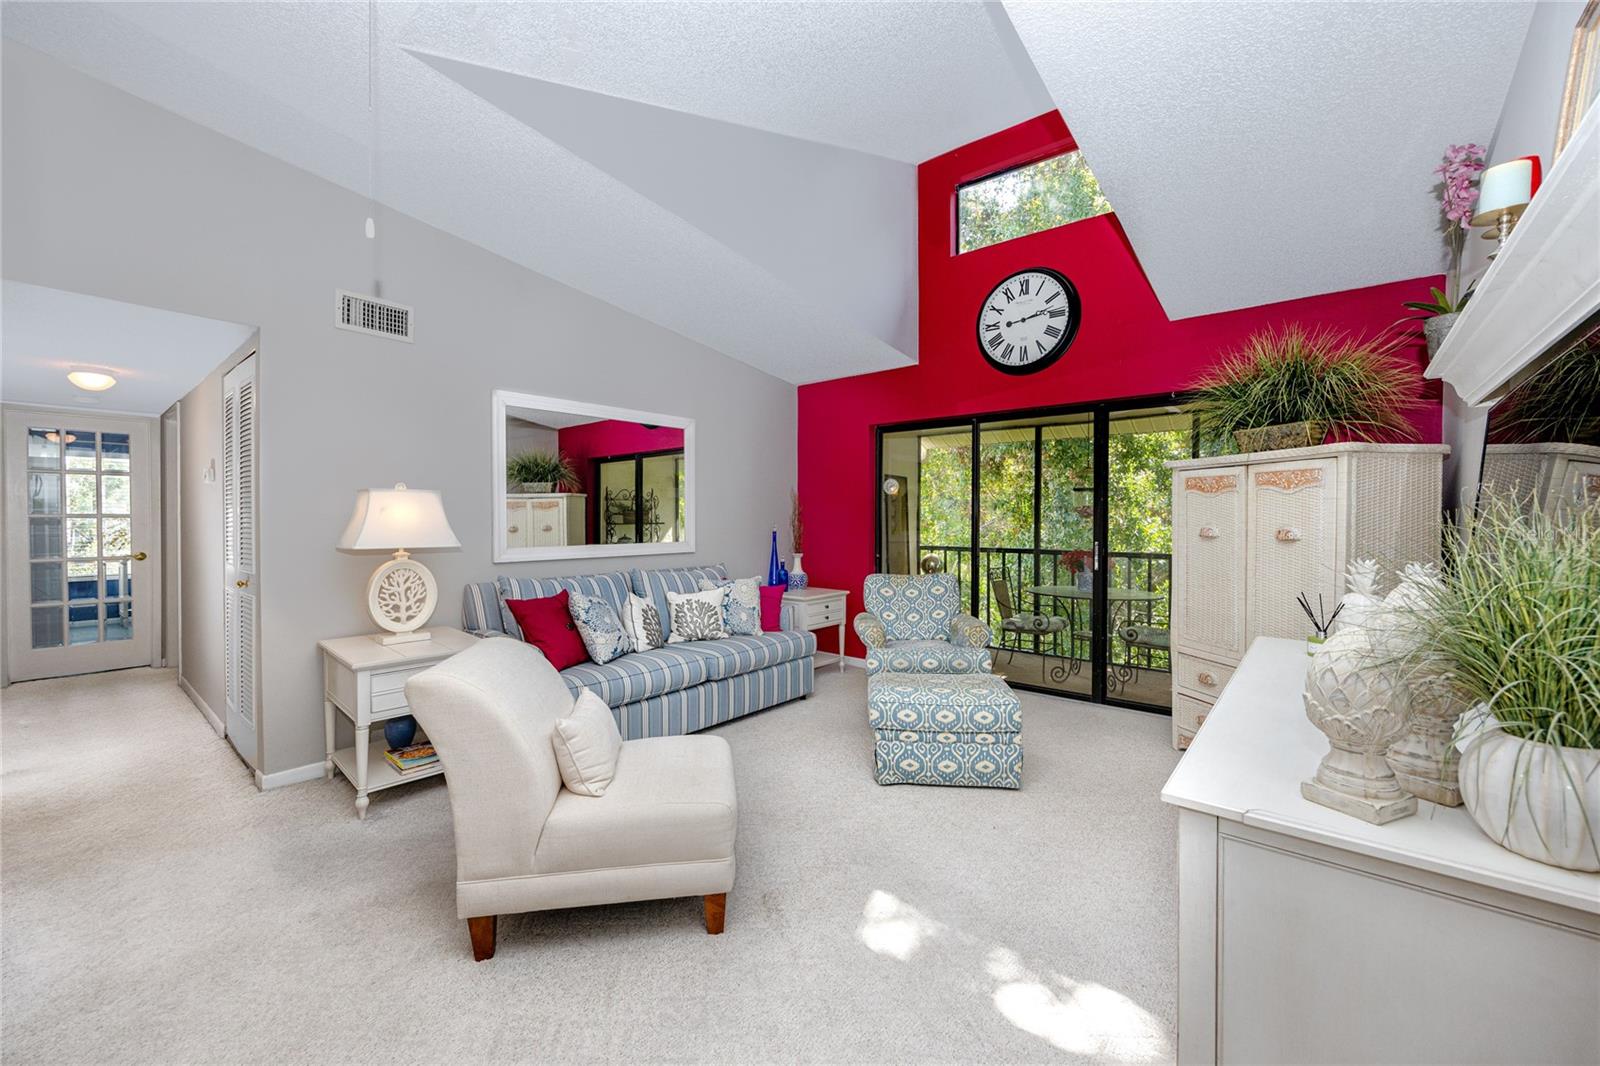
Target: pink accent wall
[602, 440]
[1126, 347]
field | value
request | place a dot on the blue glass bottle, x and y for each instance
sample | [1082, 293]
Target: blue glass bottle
[774, 567]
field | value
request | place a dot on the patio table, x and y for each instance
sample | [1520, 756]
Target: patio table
[1118, 598]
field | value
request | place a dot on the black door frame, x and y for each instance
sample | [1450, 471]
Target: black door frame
[1100, 412]
[597, 507]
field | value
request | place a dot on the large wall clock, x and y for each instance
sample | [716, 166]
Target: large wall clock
[1028, 321]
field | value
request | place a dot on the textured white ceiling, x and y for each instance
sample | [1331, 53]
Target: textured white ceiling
[833, 223]
[155, 355]
[1258, 152]
[902, 82]
[1254, 151]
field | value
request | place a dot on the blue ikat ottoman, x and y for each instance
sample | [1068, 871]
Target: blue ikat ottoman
[945, 729]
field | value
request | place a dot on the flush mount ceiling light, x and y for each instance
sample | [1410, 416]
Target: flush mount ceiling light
[91, 380]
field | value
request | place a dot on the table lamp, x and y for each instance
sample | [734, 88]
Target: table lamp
[402, 593]
[1504, 192]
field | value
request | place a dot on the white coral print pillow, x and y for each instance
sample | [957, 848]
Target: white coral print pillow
[696, 615]
[643, 623]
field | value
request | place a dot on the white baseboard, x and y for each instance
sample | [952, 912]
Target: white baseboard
[828, 658]
[311, 771]
[211, 716]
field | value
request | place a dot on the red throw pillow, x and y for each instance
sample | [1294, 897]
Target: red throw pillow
[771, 607]
[547, 625]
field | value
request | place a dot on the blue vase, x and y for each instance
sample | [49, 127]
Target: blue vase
[774, 567]
[783, 575]
[398, 732]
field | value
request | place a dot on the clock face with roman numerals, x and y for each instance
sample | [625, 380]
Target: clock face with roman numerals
[1028, 321]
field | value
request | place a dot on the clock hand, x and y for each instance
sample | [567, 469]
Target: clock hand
[1025, 318]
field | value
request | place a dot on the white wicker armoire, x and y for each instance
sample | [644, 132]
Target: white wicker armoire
[1251, 532]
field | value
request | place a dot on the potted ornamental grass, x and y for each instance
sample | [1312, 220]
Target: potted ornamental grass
[1290, 387]
[541, 472]
[1513, 625]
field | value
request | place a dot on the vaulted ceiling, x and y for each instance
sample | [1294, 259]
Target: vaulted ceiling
[1257, 152]
[683, 160]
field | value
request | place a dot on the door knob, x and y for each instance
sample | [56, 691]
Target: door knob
[140, 557]
[242, 583]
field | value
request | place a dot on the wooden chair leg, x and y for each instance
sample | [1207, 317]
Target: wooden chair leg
[716, 911]
[482, 931]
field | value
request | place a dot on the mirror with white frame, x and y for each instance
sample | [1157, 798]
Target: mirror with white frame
[576, 480]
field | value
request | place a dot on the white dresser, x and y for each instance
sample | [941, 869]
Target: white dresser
[545, 519]
[1305, 935]
[1251, 532]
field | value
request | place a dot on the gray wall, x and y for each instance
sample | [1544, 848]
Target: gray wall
[1527, 126]
[524, 436]
[111, 196]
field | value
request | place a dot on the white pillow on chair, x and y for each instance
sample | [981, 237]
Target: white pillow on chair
[587, 743]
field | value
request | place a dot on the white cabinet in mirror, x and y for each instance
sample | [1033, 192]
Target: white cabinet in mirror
[575, 480]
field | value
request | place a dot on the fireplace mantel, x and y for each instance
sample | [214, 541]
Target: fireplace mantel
[1542, 287]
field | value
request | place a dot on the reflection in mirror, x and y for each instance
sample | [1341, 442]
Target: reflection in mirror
[1543, 447]
[581, 479]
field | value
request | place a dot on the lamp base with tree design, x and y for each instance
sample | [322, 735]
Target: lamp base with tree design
[401, 598]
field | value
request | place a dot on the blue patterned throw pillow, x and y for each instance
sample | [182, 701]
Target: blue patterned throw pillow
[741, 611]
[599, 627]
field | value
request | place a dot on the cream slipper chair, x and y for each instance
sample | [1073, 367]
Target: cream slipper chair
[664, 827]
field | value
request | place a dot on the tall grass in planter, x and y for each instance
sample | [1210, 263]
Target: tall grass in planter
[1560, 404]
[551, 469]
[1290, 387]
[1515, 627]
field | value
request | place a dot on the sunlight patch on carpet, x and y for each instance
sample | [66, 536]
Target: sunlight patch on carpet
[891, 927]
[1080, 1017]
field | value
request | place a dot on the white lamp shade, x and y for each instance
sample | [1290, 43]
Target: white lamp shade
[391, 519]
[1506, 186]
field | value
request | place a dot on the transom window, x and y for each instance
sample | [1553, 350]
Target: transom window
[1052, 192]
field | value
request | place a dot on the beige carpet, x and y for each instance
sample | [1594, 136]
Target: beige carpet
[154, 907]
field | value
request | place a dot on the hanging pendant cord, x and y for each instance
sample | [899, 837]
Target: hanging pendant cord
[372, 154]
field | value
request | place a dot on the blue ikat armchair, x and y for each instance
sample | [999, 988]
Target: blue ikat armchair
[914, 624]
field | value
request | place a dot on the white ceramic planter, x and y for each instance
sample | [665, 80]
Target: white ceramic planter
[1537, 800]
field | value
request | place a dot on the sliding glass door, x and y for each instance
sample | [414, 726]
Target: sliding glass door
[1058, 526]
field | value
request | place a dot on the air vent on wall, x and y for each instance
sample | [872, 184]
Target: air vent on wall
[366, 315]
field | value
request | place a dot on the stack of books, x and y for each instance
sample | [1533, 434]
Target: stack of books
[410, 759]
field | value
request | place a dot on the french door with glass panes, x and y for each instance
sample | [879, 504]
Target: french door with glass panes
[81, 543]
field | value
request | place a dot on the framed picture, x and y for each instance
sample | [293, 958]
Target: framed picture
[1583, 74]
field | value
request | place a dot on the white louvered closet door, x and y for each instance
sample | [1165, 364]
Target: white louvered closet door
[240, 613]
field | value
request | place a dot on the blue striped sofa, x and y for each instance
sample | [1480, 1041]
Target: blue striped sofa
[675, 689]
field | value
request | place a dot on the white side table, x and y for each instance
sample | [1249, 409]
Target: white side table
[820, 609]
[365, 681]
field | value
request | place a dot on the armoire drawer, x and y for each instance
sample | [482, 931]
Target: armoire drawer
[1200, 676]
[1188, 713]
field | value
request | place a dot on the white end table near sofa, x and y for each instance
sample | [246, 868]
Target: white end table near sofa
[819, 609]
[366, 682]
